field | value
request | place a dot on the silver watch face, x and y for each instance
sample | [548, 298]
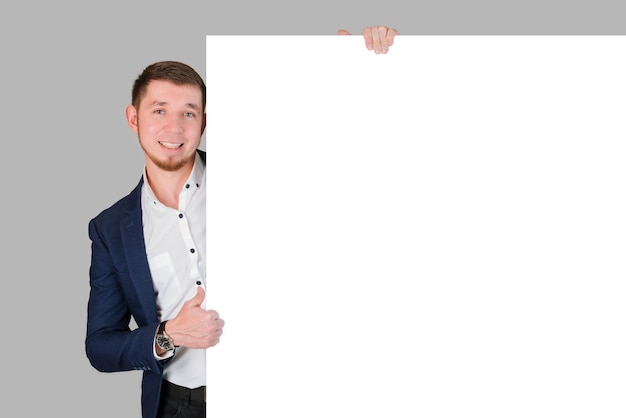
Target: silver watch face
[164, 342]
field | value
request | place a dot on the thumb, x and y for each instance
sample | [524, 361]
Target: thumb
[343, 32]
[198, 298]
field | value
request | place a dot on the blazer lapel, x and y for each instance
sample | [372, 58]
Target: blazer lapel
[135, 252]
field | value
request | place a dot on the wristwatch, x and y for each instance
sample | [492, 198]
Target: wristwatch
[162, 339]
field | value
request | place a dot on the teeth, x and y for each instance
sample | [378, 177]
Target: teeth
[170, 145]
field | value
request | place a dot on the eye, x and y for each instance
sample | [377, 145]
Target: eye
[159, 111]
[190, 114]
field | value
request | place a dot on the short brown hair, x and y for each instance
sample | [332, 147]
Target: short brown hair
[176, 72]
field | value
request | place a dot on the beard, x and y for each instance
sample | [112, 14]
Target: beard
[170, 164]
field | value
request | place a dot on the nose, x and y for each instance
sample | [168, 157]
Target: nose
[174, 124]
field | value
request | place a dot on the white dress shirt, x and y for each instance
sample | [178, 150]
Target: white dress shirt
[176, 245]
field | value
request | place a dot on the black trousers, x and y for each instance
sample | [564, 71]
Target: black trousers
[180, 402]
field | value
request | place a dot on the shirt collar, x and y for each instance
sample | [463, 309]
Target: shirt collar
[195, 180]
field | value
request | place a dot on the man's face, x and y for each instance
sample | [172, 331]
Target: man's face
[169, 123]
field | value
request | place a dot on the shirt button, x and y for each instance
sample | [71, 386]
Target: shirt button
[198, 282]
[186, 186]
[192, 251]
[180, 215]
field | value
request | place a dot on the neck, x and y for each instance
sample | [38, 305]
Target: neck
[167, 185]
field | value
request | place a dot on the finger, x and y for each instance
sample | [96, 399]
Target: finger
[382, 35]
[213, 315]
[343, 32]
[376, 38]
[391, 34]
[367, 36]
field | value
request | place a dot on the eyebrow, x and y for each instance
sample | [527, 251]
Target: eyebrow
[163, 103]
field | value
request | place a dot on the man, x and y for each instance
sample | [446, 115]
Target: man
[148, 249]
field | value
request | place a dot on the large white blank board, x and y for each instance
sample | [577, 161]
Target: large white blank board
[435, 232]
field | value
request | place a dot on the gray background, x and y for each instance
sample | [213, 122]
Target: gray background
[67, 69]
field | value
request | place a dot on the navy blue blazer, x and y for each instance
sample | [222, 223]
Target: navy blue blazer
[121, 288]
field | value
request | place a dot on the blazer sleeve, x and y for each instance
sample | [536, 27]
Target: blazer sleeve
[110, 343]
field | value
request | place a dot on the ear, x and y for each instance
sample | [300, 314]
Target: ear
[131, 118]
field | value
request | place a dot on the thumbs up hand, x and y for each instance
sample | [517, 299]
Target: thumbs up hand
[195, 327]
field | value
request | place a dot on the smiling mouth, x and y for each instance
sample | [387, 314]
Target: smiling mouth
[170, 145]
